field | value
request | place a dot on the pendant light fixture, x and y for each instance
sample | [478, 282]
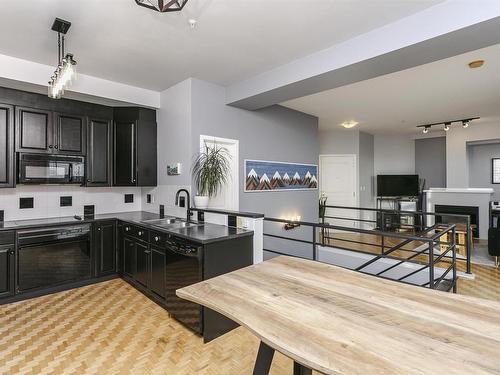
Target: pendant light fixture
[65, 72]
[163, 5]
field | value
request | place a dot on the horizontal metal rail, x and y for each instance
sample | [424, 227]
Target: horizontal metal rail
[425, 237]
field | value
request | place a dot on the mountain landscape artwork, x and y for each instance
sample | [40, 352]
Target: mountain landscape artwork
[278, 176]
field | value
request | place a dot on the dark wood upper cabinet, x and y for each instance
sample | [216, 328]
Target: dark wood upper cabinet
[40, 131]
[7, 160]
[124, 166]
[135, 150]
[34, 130]
[99, 152]
[69, 134]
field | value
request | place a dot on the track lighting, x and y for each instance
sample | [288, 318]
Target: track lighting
[447, 124]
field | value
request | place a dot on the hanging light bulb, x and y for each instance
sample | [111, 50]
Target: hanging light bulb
[447, 126]
[465, 123]
[426, 129]
[65, 72]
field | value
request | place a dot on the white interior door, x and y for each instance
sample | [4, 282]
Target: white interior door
[228, 197]
[338, 180]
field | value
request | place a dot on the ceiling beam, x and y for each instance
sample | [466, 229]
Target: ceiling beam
[442, 31]
[31, 76]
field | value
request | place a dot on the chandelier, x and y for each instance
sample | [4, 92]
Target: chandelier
[163, 5]
[65, 72]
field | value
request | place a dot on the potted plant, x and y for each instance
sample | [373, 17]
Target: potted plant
[211, 170]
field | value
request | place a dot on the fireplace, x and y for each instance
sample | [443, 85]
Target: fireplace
[472, 211]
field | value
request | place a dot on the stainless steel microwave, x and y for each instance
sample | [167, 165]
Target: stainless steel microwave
[50, 169]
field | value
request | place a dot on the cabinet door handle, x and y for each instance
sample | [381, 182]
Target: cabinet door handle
[157, 238]
[99, 229]
[147, 251]
[11, 252]
[56, 147]
[127, 229]
[140, 233]
[50, 146]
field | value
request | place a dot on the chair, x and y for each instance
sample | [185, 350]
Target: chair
[494, 244]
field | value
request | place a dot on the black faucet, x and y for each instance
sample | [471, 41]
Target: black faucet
[188, 211]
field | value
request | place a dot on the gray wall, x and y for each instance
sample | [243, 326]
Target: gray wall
[274, 133]
[480, 166]
[366, 170]
[341, 141]
[430, 161]
[394, 154]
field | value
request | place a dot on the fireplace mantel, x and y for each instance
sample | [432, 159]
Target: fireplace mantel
[473, 197]
[461, 191]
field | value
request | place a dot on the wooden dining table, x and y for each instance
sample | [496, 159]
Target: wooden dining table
[337, 321]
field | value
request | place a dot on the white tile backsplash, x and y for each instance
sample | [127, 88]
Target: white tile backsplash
[164, 194]
[47, 200]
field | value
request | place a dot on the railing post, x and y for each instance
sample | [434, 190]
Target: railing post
[454, 255]
[315, 257]
[431, 264]
[382, 244]
[468, 244]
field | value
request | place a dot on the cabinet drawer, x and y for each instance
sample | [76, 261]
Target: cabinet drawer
[7, 237]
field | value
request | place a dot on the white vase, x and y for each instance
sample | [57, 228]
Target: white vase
[201, 201]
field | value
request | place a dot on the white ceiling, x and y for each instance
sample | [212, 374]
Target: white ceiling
[234, 39]
[398, 102]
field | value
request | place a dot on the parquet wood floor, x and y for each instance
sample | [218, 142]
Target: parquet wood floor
[110, 328]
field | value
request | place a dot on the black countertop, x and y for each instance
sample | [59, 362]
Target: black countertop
[204, 233]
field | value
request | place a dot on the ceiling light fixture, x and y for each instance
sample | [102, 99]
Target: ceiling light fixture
[65, 72]
[447, 124]
[476, 64]
[349, 124]
[163, 6]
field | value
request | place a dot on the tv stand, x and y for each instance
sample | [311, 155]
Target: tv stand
[390, 216]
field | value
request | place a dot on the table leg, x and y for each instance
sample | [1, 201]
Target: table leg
[298, 369]
[264, 360]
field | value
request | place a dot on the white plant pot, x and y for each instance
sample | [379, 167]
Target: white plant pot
[201, 201]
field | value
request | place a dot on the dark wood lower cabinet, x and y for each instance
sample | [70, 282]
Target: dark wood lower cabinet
[143, 259]
[128, 256]
[7, 267]
[105, 247]
[158, 271]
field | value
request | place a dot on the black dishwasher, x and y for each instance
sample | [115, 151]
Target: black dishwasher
[52, 256]
[183, 268]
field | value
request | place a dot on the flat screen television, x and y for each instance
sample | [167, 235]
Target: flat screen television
[397, 185]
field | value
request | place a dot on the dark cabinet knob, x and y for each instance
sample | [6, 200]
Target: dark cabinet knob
[11, 252]
[56, 147]
[50, 146]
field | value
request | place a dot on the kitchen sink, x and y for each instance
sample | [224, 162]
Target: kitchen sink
[171, 223]
[164, 221]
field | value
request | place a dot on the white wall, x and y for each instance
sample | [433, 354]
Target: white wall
[394, 154]
[457, 165]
